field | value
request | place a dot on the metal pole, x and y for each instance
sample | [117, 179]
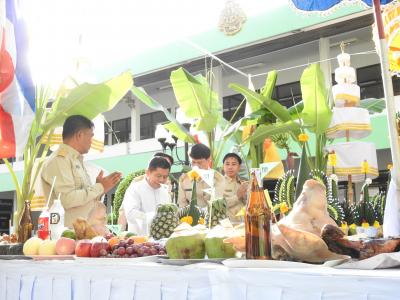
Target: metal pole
[388, 90]
[186, 154]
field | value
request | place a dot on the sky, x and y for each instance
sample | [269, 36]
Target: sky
[97, 33]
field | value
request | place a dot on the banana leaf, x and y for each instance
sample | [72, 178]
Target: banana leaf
[295, 110]
[89, 100]
[173, 126]
[303, 173]
[373, 105]
[316, 113]
[264, 131]
[196, 99]
[278, 110]
[269, 86]
[260, 116]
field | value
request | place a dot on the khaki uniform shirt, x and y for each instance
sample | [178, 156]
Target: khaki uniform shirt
[186, 186]
[233, 203]
[78, 195]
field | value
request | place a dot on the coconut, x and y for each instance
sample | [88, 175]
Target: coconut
[186, 243]
[214, 242]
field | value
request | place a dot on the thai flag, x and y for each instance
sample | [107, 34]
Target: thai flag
[17, 92]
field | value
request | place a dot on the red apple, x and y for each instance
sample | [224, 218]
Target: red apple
[95, 250]
[82, 248]
[65, 246]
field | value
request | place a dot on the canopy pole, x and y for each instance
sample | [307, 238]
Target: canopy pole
[388, 91]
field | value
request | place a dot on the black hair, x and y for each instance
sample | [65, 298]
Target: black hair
[158, 162]
[200, 151]
[234, 155]
[165, 155]
[75, 123]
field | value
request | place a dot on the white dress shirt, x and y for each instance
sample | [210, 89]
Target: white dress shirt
[140, 204]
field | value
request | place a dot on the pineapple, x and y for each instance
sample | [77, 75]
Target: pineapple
[217, 209]
[164, 222]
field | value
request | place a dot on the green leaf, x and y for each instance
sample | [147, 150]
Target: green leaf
[264, 131]
[174, 127]
[196, 99]
[89, 100]
[316, 113]
[295, 110]
[269, 86]
[278, 110]
[303, 173]
[260, 116]
[179, 131]
[373, 105]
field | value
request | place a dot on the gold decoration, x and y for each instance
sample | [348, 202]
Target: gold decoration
[332, 159]
[232, 18]
[365, 166]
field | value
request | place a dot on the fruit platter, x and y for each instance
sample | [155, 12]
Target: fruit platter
[109, 246]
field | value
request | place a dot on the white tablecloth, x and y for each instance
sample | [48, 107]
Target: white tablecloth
[101, 280]
[306, 284]
[121, 279]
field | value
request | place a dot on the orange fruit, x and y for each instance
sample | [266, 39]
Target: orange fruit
[139, 239]
[113, 241]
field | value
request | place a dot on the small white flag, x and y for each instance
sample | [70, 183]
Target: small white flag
[207, 176]
[266, 168]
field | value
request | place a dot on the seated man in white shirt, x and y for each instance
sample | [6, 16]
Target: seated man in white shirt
[142, 198]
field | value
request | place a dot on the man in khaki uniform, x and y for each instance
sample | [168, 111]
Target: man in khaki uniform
[235, 192]
[79, 196]
[200, 156]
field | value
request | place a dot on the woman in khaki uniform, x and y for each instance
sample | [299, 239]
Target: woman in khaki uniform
[235, 192]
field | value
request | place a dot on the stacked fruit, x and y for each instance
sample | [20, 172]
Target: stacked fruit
[109, 246]
[128, 248]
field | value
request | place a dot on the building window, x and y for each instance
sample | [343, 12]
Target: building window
[148, 123]
[107, 133]
[370, 81]
[121, 131]
[231, 104]
[288, 94]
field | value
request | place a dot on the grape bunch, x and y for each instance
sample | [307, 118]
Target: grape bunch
[128, 248]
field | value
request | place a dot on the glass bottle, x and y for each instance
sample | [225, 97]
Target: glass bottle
[25, 224]
[257, 223]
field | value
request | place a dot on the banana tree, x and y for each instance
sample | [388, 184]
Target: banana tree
[267, 116]
[199, 102]
[311, 115]
[86, 99]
